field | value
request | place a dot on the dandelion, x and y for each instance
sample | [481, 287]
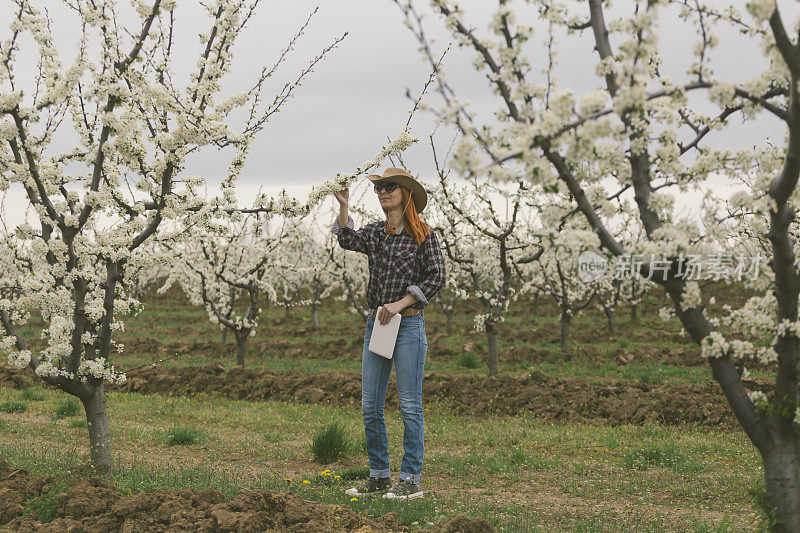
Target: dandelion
[288, 480]
[337, 476]
[353, 499]
[306, 482]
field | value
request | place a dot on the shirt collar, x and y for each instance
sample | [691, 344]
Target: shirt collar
[399, 229]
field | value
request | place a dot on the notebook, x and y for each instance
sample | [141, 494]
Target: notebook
[384, 337]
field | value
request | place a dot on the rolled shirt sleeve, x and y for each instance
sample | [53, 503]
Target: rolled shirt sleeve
[417, 292]
[433, 271]
[337, 229]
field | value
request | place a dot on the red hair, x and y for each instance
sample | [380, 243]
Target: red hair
[411, 221]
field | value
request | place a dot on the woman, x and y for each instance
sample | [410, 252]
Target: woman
[406, 269]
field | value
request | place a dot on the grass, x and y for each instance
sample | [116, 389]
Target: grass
[531, 473]
[182, 436]
[468, 360]
[331, 443]
[67, 407]
[30, 395]
[661, 455]
[13, 407]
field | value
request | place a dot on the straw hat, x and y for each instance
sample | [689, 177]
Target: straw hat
[403, 177]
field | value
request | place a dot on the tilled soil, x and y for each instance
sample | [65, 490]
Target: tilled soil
[91, 504]
[617, 403]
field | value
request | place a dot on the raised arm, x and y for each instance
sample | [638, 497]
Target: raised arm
[343, 226]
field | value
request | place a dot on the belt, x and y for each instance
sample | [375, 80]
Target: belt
[408, 311]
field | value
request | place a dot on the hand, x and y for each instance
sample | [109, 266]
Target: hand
[388, 311]
[343, 196]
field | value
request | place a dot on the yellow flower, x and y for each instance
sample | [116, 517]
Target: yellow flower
[305, 481]
[289, 480]
[337, 476]
[353, 499]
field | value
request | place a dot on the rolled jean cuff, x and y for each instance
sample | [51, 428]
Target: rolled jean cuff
[417, 292]
[413, 478]
[379, 473]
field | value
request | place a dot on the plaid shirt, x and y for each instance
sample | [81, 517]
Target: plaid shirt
[397, 264]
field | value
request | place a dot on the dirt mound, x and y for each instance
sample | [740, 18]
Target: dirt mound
[94, 505]
[91, 504]
[621, 402]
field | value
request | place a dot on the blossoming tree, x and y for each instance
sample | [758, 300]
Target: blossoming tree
[481, 224]
[212, 265]
[133, 127]
[554, 275]
[452, 292]
[640, 135]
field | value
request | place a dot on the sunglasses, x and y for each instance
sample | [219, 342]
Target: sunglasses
[388, 187]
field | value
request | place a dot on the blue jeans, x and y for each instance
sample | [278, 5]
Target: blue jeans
[409, 360]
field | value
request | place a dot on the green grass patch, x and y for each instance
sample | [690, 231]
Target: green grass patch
[30, 395]
[183, 436]
[661, 455]
[468, 360]
[331, 443]
[147, 477]
[13, 407]
[68, 407]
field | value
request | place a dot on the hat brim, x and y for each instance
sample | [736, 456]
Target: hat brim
[418, 192]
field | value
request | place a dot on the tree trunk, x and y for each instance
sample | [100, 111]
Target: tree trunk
[610, 315]
[491, 338]
[241, 340]
[449, 326]
[314, 317]
[287, 311]
[94, 404]
[634, 316]
[564, 329]
[782, 481]
[224, 335]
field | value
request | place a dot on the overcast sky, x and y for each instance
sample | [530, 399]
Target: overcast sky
[356, 98]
